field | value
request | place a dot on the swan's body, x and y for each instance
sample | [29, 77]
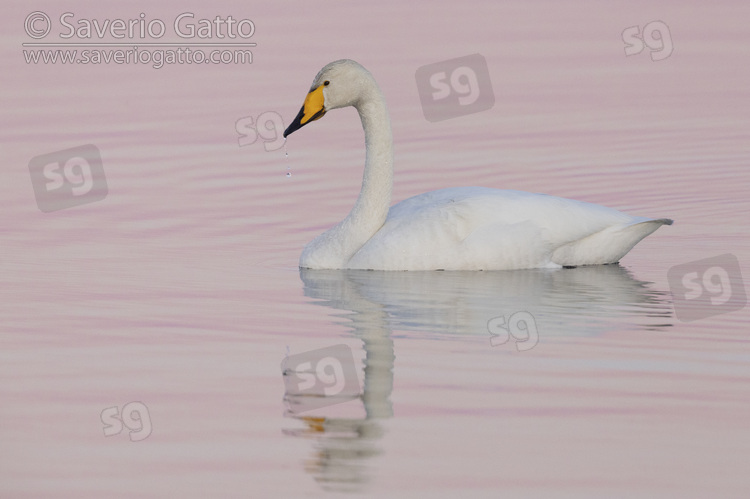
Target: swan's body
[462, 228]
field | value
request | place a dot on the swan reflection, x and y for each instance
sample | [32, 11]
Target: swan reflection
[584, 301]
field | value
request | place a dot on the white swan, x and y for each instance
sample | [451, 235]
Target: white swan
[461, 228]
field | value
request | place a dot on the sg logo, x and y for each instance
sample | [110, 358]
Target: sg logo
[655, 36]
[456, 87]
[135, 417]
[520, 325]
[463, 81]
[707, 287]
[328, 371]
[68, 178]
[269, 127]
[319, 378]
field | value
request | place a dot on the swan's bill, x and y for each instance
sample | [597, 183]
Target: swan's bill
[312, 109]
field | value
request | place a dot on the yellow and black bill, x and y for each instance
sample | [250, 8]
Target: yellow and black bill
[313, 109]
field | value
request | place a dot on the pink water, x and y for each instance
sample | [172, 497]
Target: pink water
[180, 288]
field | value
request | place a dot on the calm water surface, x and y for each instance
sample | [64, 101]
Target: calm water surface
[170, 306]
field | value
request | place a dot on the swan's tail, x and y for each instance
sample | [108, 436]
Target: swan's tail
[658, 221]
[608, 245]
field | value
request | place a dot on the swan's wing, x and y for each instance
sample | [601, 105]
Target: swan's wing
[475, 227]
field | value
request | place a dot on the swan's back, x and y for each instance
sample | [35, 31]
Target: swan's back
[482, 228]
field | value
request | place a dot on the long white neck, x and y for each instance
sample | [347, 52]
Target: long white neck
[335, 247]
[372, 205]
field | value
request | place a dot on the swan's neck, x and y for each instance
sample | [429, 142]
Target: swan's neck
[371, 208]
[334, 248]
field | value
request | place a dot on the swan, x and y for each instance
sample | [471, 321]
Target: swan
[458, 228]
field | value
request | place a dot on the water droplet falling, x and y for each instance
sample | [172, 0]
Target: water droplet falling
[286, 154]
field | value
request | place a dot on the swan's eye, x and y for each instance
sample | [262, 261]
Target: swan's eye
[326, 83]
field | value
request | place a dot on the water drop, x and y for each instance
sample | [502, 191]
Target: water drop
[286, 154]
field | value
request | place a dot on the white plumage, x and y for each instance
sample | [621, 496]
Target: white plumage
[461, 228]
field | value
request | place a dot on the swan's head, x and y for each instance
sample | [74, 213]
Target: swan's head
[338, 84]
